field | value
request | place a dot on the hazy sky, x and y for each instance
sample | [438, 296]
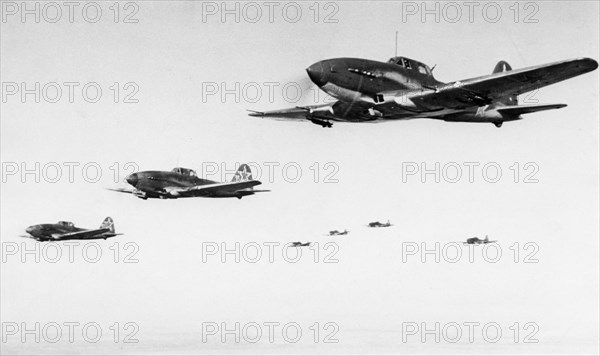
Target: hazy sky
[180, 58]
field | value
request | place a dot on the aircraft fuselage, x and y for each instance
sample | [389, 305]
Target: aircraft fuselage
[157, 184]
[349, 79]
[154, 182]
[47, 232]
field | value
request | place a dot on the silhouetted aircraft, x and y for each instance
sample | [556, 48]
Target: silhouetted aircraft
[378, 224]
[478, 241]
[403, 88]
[300, 244]
[337, 233]
[65, 230]
[184, 183]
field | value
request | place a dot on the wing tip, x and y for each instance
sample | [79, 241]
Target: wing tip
[587, 64]
[552, 106]
[255, 113]
[120, 190]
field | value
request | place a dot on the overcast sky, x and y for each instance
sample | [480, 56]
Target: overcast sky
[185, 66]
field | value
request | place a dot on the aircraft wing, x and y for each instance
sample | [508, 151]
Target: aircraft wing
[85, 234]
[298, 113]
[321, 114]
[121, 190]
[210, 189]
[526, 109]
[484, 90]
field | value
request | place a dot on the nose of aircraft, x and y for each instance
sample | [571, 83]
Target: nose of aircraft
[30, 229]
[316, 73]
[132, 179]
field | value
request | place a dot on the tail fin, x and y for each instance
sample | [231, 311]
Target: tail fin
[109, 224]
[243, 174]
[503, 66]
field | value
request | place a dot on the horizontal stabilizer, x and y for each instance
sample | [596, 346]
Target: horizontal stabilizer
[517, 110]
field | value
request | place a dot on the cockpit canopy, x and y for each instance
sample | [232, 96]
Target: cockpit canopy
[411, 64]
[66, 223]
[184, 171]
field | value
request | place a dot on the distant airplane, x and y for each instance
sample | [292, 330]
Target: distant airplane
[378, 224]
[66, 230]
[478, 241]
[184, 183]
[338, 233]
[403, 88]
[300, 244]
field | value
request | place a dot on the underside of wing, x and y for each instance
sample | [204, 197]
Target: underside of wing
[484, 90]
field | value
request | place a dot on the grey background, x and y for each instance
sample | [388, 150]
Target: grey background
[171, 52]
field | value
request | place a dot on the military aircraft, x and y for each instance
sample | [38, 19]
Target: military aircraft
[403, 88]
[378, 224]
[66, 230]
[338, 233]
[184, 183]
[300, 244]
[478, 241]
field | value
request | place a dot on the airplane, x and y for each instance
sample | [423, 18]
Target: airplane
[66, 230]
[300, 244]
[403, 88]
[184, 183]
[378, 224]
[478, 241]
[338, 233]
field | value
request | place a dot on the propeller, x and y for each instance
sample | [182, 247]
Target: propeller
[301, 91]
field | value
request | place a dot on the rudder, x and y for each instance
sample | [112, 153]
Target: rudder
[243, 174]
[502, 66]
[109, 224]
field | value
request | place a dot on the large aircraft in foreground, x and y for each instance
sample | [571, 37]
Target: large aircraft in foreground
[403, 88]
[184, 183]
[66, 230]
